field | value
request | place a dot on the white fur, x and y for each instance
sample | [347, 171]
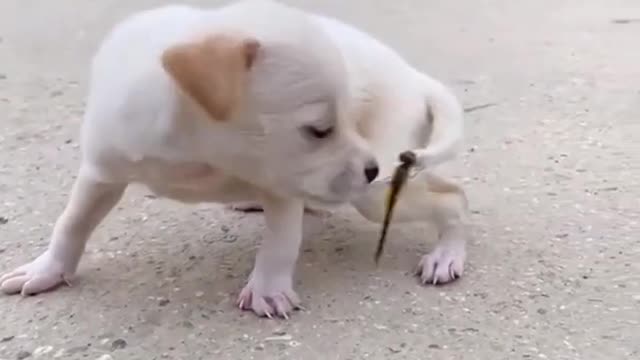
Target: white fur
[139, 128]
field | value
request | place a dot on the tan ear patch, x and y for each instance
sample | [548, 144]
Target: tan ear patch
[213, 71]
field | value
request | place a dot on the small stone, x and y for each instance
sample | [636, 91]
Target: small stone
[230, 238]
[105, 357]
[23, 355]
[542, 311]
[200, 294]
[78, 349]
[279, 338]
[187, 324]
[3, 220]
[42, 350]
[7, 338]
[224, 228]
[118, 344]
[434, 346]
[163, 302]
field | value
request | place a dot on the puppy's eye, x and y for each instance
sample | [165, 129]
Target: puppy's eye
[317, 133]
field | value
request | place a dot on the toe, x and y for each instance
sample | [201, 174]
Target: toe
[12, 274]
[13, 284]
[426, 269]
[456, 268]
[293, 298]
[442, 274]
[261, 307]
[282, 306]
[244, 299]
[41, 283]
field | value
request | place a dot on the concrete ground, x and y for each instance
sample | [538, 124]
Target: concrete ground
[552, 170]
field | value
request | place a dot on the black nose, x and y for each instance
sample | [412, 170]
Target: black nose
[371, 171]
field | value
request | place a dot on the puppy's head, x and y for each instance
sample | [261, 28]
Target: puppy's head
[293, 95]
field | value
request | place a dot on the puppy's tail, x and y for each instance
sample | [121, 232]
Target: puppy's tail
[445, 116]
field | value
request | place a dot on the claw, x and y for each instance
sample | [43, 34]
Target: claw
[268, 314]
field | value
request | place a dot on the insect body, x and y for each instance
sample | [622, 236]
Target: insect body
[398, 180]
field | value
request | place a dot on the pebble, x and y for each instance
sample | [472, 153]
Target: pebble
[7, 338]
[23, 355]
[42, 350]
[78, 349]
[230, 238]
[279, 338]
[542, 311]
[163, 301]
[187, 324]
[118, 344]
[3, 220]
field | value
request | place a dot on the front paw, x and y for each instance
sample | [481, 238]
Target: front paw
[443, 265]
[269, 296]
[42, 274]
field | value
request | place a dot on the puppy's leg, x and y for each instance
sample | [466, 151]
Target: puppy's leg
[269, 290]
[427, 198]
[89, 203]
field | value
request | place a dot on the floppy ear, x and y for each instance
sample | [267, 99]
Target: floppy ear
[213, 71]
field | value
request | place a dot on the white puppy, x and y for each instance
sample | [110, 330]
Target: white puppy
[256, 101]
